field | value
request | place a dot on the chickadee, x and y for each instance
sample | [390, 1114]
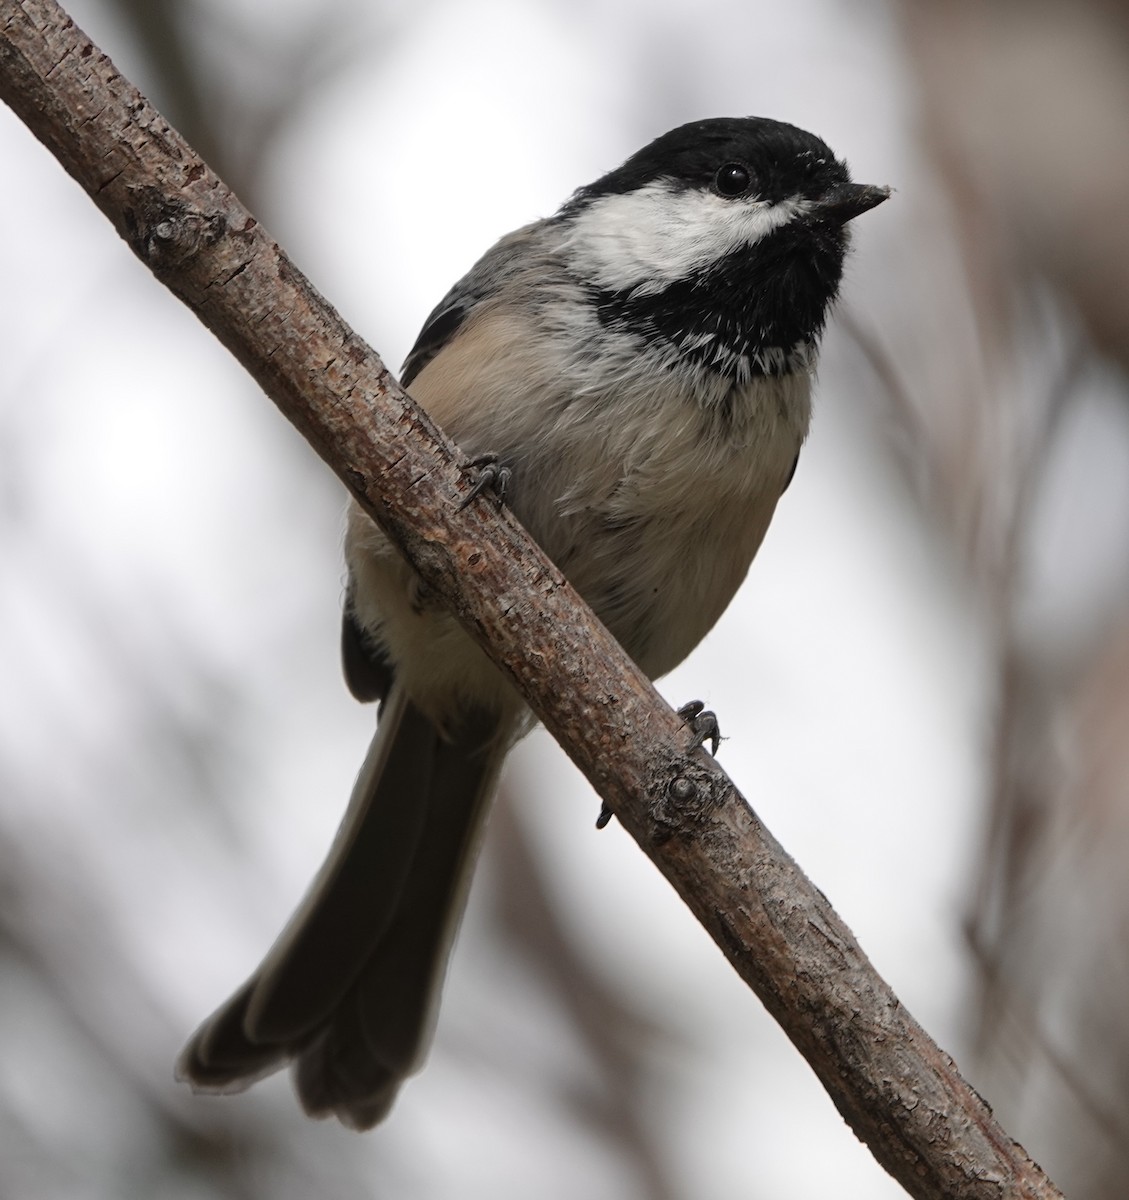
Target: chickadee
[640, 365]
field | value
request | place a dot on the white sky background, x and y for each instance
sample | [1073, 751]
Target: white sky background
[146, 484]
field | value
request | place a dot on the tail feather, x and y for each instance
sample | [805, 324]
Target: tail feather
[349, 989]
[219, 1057]
[356, 894]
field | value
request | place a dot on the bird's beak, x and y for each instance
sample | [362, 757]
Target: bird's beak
[845, 201]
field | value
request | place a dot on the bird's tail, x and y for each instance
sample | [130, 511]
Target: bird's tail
[348, 992]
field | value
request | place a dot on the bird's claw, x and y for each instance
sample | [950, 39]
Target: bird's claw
[489, 474]
[703, 724]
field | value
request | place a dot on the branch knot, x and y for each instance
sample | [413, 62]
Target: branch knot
[166, 232]
[689, 794]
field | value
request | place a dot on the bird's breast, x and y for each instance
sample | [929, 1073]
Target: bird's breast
[650, 483]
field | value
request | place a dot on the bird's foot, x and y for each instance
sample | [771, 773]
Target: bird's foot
[703, 725]
[489, 475]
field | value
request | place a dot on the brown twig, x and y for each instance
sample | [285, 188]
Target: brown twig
[900, 1093]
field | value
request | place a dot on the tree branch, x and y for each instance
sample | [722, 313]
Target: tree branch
[899, 1092]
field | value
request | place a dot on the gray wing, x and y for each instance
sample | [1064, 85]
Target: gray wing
[516, 253]
[368, 673]
[446, 319]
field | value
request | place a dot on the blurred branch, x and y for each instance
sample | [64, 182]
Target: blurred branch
[1017, 835]
[612, 1031]
[195, 1138]
[1023, 1015]
[1031, 172]
[900, 1093]
[158, 26]
[1042, 165]
[231, 118]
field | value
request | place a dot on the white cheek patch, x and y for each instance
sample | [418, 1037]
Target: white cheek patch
[646, 239]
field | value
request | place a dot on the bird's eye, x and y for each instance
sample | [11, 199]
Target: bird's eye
[733, 179]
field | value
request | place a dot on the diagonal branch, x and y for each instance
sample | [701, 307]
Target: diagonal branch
[899, 1092]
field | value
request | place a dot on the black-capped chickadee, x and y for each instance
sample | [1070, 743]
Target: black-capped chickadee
[640, 364]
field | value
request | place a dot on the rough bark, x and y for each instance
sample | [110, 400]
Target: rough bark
[900, 1093]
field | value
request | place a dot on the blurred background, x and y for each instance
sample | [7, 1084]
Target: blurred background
[924, 682]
